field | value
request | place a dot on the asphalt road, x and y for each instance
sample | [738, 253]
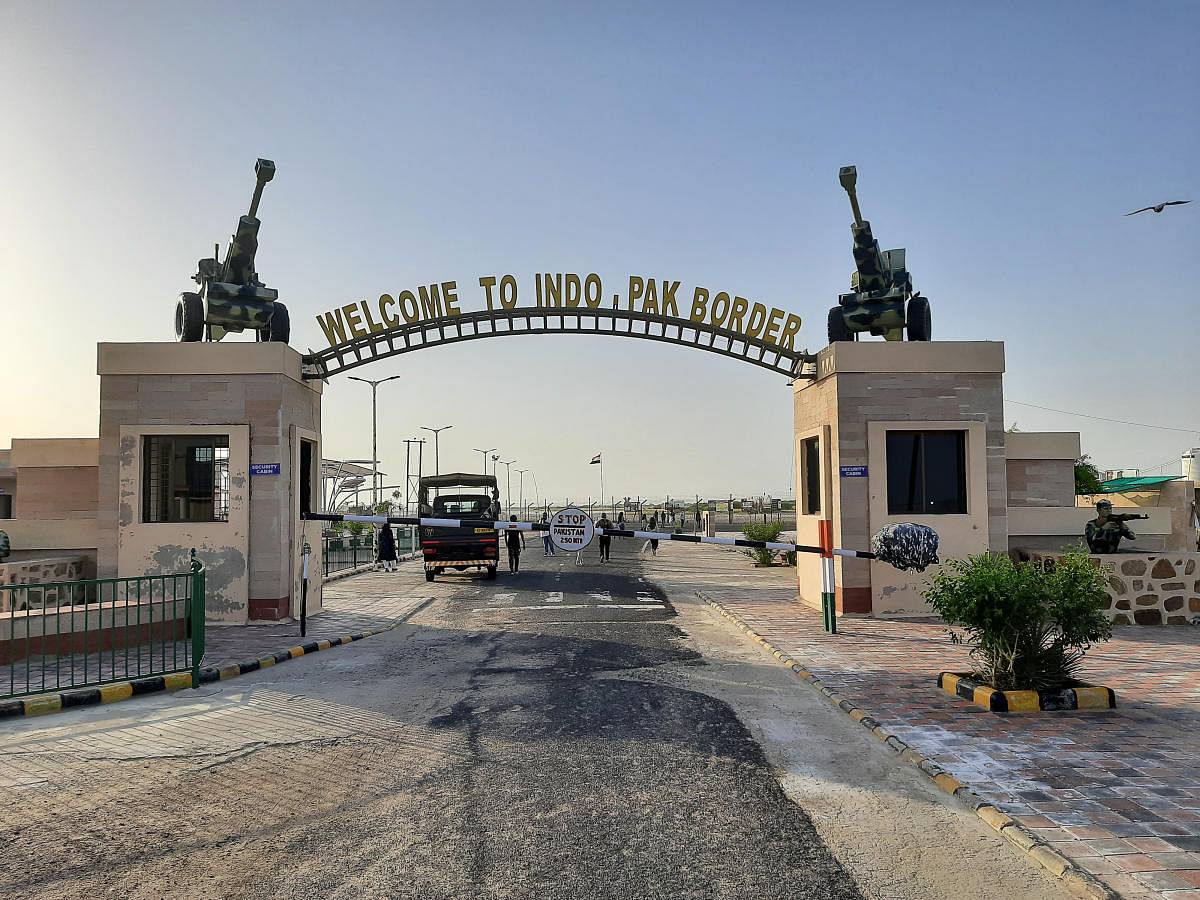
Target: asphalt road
[566, 731]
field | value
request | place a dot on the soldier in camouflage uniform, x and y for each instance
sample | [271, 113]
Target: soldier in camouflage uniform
[1103, 535]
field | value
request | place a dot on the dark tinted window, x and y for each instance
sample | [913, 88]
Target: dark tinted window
[810, 461]
[185, 478]
[926, 472]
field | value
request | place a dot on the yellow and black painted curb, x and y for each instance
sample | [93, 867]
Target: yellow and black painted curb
[1085, 696]
[123, 690]
[1078, 882]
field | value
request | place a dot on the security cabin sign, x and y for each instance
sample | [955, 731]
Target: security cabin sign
[559, 291]
[571, 530]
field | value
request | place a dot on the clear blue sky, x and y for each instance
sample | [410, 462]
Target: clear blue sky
[1000, 143]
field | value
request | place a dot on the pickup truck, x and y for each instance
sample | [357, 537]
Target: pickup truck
[459, 496]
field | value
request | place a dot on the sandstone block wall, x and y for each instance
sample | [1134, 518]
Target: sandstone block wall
[1153, 589]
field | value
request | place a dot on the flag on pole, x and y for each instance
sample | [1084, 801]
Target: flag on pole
[595, 460]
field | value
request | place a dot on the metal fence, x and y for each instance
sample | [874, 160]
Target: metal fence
[81, 633]
[346, 551]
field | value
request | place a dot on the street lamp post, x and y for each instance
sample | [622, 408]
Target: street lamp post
[522, 499]
[495, 460]
[508, 484]
[374, 436]
[485, 453]
[437, 470]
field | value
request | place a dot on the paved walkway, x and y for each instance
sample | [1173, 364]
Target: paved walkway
[366, 602]
[1118, 792]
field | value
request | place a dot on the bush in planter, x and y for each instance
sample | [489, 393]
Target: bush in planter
[765, 531]
[1028, 626]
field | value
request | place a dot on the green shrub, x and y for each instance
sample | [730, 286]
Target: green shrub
[789, 557]
[762, 531]
[1028, 626]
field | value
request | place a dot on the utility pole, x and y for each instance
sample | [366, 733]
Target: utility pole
[374, 434]
[437, 469]
[485, 453]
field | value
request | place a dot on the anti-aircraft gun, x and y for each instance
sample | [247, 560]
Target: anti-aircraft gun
[882, 301]
[231, 298]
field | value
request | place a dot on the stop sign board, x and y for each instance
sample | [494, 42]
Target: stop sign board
[571, 529]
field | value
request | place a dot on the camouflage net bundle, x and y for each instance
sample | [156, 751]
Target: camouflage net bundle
[908, 547]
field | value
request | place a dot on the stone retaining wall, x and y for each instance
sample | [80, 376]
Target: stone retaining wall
[1153, 588]
[1147, 588]
[47, 570]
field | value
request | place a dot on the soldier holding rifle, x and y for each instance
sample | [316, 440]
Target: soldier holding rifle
[1103, 533]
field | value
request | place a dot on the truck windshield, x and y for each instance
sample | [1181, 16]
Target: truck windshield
[460, 507]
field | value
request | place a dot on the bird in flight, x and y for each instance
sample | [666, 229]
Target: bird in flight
[1159, 207]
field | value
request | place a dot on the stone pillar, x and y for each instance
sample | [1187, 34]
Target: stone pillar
[253, 396]
[862, 391]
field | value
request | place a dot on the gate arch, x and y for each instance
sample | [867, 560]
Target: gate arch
[471, 326]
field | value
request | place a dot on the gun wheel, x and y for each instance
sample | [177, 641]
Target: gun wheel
[920, 320]
[279, 329]
[189, 318]
[837, 326]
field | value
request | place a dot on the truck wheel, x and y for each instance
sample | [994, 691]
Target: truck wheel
[837, 326]
[279, 329]
[189, 318]
[429, 573]
[920, 320]
[491, 573]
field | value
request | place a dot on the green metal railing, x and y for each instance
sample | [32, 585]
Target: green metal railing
[75, 634]
[347, 551]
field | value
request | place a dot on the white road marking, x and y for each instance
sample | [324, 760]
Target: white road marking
[502, 598]
[643, 597]
[601, 596]
[554, 597]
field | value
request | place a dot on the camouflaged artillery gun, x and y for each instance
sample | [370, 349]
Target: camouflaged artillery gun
[231, 298]
[882, 301]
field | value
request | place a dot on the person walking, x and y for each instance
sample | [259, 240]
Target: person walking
[515, 541]
[621, 520]
[605, 539]
[387, 548]
[547, 544]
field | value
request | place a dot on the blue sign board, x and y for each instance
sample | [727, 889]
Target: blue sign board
[264, 468]
[854, 471]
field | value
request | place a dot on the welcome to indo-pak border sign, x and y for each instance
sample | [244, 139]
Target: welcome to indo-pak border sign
[559, 291]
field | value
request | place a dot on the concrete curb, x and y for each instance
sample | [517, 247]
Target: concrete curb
[123, 690]
[1078, 882]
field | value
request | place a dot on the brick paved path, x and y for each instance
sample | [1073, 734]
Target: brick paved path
[1118, 792]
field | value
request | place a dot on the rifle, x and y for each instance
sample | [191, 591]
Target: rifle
[1124, 517]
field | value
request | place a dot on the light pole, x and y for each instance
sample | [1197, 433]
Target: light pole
[485, 453]
[508, 484]
[436, 465]
[374, 433]
[522, 499]
[495, 459]
[408, 481]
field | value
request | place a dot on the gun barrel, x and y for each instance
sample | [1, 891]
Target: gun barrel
[264, 171]
[848, 176]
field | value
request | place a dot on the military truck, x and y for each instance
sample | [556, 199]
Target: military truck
[231, 298]
[459, 496]
[881, 301]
